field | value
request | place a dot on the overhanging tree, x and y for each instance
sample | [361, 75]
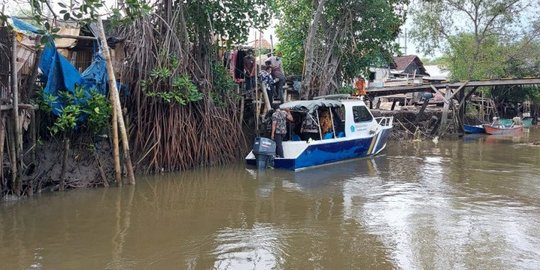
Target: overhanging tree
[332, 41]
[470, 30]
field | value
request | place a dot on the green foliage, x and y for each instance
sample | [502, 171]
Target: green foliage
[369, 38]
[67, 120]
[98, 110]
[490, 58]
[480, 40]
[295, 17]
[435, 22]
[85, 11]
[44, 100]
[90, 112]
[181, 91]
[346, 90]
[230, 20]
[223, 84]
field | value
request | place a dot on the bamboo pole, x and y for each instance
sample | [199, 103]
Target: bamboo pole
[116, 106]
[267, 104]
[116, 148]
[17, 131]
[319, 123]
[265, 93]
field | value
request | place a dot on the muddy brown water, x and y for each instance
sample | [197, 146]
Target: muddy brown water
[466, 204]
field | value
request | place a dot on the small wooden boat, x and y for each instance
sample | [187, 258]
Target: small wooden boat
[358, 135]
[473, 129]
[503, 129]
[527, 122]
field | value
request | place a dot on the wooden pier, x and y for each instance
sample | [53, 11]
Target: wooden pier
[455, 94]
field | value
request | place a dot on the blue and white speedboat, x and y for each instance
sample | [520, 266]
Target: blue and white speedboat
[355, 133]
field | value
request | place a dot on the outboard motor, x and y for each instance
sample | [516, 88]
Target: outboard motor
[264, 150]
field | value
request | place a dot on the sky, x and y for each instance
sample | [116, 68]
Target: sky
[403, 42]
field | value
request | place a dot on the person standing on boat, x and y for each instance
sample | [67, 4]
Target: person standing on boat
[310, 128]
[279, 127]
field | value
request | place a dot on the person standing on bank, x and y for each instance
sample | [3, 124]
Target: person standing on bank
[277, 73]
[279, 127]
[249, 70]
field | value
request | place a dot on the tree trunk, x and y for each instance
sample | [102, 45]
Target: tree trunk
[17, 162]
[309, 51]
[3, 183]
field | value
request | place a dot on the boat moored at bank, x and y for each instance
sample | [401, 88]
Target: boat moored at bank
[353, 133]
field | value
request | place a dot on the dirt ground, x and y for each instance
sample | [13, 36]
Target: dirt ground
[82, 169]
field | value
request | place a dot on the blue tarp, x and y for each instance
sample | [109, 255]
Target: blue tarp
[96, 74]
[22, 26]
[60, 75]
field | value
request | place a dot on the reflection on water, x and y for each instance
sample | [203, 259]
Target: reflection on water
[470, 203]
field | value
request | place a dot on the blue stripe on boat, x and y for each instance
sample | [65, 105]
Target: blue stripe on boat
[326, 153]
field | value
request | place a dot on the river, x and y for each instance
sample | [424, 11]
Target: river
[471, 203]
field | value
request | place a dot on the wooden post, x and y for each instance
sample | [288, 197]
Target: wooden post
[116, 148]
[33, 134]
[3, 183]
[464, 104]
[444, 118]
[116, 106]
[461, 112]
[17, 162]
[421, 112]
[393, 104]
[319, 123]
[12, 154]
[31, 81]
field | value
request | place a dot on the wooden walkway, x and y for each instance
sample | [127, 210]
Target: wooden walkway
[455, 97]
[375, 92]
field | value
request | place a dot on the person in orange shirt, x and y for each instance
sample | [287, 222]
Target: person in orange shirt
[360, 87]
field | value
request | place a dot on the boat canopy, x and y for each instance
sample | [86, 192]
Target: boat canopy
[310, 105]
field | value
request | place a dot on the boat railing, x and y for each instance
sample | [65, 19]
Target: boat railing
[385, 121]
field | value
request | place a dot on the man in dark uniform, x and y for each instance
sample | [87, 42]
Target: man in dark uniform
[249, 70]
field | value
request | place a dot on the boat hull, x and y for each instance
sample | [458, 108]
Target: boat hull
[470, 129]
[332, 151]
[503, 130]
[527, 122]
